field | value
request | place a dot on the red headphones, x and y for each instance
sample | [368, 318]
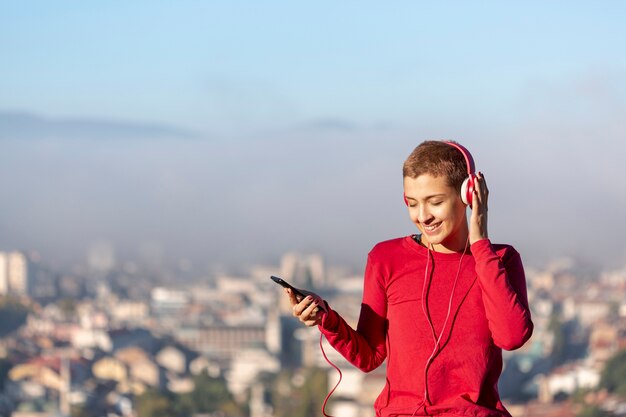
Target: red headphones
[467, 187]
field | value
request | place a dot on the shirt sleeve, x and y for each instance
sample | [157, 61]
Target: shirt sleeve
[364, 347]
[503, 286]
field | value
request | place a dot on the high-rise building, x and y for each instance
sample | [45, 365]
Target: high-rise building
[304, 270]
[18, 273]
[4, 274]
[301, 271]
[13, 273]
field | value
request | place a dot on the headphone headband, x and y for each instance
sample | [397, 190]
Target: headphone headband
[467, 188]
[469, 161]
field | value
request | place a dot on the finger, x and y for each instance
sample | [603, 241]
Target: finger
[479, 201]
[312, 323]
[480, 191]
[474, 202]
[299, 308]
[319, 302]
[483, 183]
[484, 191]
[309, 315]
[292, 296]
[310, 312]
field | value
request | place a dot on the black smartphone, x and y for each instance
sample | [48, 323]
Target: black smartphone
[285, 284]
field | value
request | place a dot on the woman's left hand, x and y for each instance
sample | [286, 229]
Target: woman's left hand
[308, 310]
[478, 220]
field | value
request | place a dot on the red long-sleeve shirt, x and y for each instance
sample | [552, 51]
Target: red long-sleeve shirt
[489, 312]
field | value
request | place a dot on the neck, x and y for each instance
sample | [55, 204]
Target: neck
[441, 248]
[456, 244]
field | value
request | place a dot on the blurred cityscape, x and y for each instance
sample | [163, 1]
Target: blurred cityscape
[128, 339]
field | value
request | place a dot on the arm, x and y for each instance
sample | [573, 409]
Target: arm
[501, 279]
[503, 286]
[364, 347]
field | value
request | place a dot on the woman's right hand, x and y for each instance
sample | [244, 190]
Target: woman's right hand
[308, 310]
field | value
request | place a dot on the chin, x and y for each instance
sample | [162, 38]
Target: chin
[433, 240]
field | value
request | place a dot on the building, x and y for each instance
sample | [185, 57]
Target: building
[246, 367]
[303, 270]
[4, 274]
[221, 341]
[567, 379]
[14, 273]
[172, 359]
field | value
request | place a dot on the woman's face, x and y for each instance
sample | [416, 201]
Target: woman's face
[438, 212]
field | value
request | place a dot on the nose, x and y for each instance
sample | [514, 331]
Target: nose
[422, 214]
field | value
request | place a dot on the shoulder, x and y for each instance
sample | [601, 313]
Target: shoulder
[387, 256]
[389, 247]
[505, 251]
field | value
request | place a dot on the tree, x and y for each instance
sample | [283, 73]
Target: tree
[68, 307]
[559, 345]
[12, 315]
[592, 411]
[298, 393]
[81, 411]
[613, 376]
[153, 403]
[5, 367]
[209, 395]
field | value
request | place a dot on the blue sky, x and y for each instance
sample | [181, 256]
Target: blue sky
[535, 90]
[210, 65]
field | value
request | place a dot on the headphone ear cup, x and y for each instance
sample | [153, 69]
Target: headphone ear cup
[467, 190]
[405, 200]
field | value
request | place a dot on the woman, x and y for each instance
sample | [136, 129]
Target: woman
[439, 305]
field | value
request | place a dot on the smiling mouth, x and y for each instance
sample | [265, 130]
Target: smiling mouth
[431, 228]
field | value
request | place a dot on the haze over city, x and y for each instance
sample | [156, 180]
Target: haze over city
[232, 133]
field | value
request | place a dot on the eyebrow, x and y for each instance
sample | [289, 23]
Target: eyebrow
[428, 197]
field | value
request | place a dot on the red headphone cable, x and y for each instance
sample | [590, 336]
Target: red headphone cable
[336, 385]
[437, 340]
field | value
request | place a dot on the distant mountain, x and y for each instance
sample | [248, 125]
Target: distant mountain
[329, 124]
[25, 126]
